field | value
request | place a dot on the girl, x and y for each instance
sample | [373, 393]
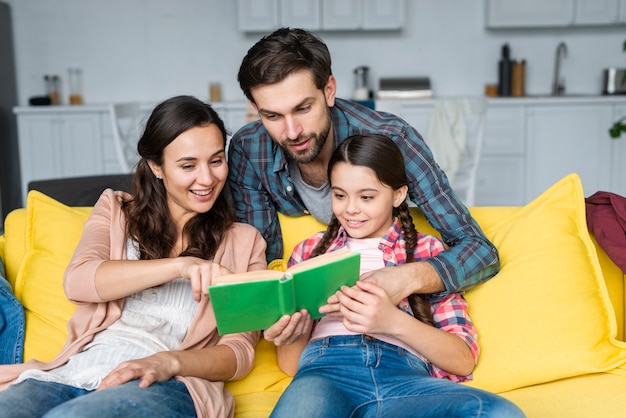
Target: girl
[375, 358]
[143, 340]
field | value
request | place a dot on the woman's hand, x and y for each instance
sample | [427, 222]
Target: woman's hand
[200, 272]
[366, 308]
[289, 329]
[158, 367]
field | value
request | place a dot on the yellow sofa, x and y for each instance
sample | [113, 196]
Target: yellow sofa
[551, 323]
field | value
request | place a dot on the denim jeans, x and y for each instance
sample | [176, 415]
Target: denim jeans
[11, 324]
[32, 398]
[353, 376]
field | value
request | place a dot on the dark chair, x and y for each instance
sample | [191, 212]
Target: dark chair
[81, 191]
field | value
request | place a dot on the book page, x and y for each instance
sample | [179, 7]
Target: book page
[249, 276]
[320, 259]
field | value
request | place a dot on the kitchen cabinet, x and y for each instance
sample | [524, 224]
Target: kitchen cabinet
[597, 12]
[362, 14]
[316, 15]
[500, 178]
[530, 143]
[304, 14]
[553, 13]
[565, 139]
[75, 141]
[618, 155]
[60, 143]
[257, 15]
[529, 13]
[621, 18]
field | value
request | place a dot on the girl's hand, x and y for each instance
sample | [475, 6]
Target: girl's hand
[200, 272]
[289, 329]
[158, 367]
[366, 308]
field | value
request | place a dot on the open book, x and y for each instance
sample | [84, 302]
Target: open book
[255, 300]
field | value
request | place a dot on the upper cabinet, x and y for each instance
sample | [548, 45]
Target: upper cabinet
[257, 15]
[554, 13]
[268, 15]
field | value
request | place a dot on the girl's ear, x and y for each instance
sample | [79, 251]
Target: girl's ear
[399, 195]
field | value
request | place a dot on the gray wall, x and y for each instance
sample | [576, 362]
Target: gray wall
[150, 49]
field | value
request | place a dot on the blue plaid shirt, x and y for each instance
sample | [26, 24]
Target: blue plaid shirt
[260, 185]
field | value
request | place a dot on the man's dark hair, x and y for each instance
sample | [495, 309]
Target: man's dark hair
[282, 53]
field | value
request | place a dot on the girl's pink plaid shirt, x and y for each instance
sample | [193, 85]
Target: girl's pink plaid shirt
[449, 309]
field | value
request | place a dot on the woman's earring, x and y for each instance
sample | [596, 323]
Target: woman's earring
[158, 177]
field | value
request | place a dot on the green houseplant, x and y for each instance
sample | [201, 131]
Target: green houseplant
[619, 127]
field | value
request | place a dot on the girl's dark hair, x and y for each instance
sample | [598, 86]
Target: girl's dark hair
[381, 155]
[282, 53]
[149, 222]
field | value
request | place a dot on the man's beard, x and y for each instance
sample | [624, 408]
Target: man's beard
[310, 154]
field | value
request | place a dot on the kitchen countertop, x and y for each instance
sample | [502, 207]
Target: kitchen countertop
[530, 99]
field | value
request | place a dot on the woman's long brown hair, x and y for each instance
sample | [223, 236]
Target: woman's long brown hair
[381, 155]
[149, 222]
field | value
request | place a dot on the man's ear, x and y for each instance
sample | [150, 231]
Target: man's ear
[330, 90]
[399, 195]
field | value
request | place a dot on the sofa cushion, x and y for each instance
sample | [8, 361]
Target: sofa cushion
[546, 315]
[52, 233]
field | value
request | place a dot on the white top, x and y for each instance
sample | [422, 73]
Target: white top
[371, 259]
[152, 320]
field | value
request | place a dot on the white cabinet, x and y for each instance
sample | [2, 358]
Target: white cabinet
[500, 180]
[618, 155]
[565, 139]
[54, 143]
[553, 13]
[315, 15]
[596, 12]
[529, 144]
[257, 15]
[363, 14]
[529, 13]
[304, 14]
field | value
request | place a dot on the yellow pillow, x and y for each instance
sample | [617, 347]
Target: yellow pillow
[52, 233]
[547, 314]
[296, 229]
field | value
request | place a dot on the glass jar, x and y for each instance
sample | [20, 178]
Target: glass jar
[76, 86]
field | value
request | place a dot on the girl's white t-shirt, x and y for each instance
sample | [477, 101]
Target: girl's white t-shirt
[371, 259]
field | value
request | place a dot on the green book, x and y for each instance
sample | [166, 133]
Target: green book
[255, 300]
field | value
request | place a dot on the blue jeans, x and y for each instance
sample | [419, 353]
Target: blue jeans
[353, 376]
[33, 398]
[11, 324]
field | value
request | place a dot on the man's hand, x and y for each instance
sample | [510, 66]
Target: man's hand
[289, 329]
[398, 282]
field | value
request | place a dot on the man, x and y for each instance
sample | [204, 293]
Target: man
[279, 163]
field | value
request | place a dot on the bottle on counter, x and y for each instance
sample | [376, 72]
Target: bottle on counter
[76, 86]
[215, 92]
[518, 79]
[52, 88]
[505, 68]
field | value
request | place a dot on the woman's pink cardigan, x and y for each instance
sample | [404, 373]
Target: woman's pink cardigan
[242, 249]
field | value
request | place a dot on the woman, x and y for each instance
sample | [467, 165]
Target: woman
[143, 340]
